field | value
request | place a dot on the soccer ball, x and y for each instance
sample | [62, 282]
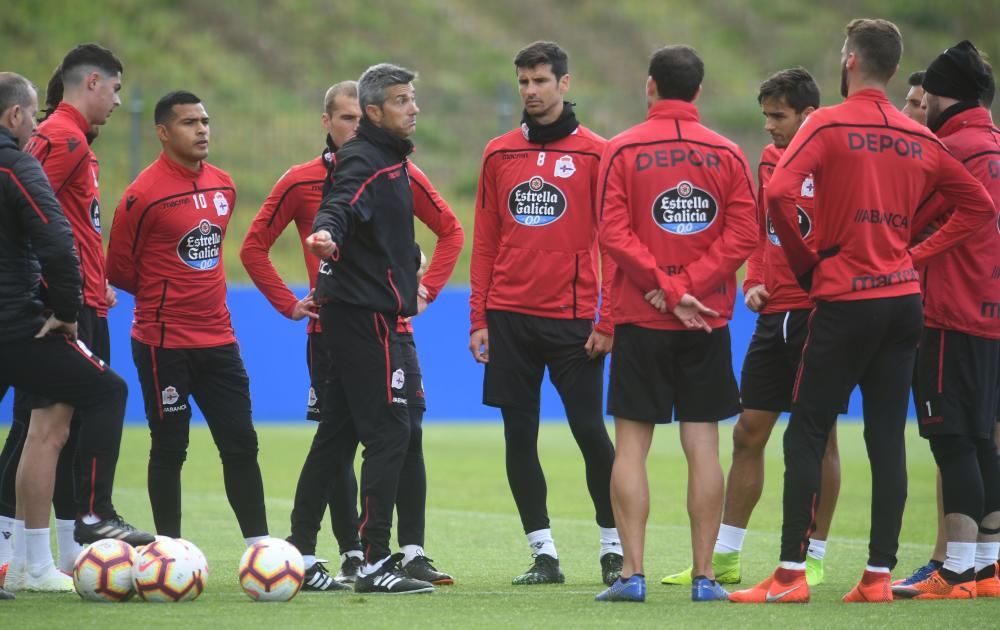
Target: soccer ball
[201, 562]
[166, 570]
[271, 570]
[103, 571]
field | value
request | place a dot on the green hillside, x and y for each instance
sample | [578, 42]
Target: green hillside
[262, 67]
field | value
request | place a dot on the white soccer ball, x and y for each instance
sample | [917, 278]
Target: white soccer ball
[103, 571]
[166, 570]
[198, 557]
[271, 570]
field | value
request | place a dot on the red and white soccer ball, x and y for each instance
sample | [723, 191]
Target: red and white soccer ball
[201, 562]
[166, 570]
[271, 570]
[103, 571]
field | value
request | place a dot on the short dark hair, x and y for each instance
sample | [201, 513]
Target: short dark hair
[795, 85]
[916, 79]
[164, 111]
[54, 91]
[14, 90]
[541, 52]
[377, 79]
[677, 71]
[347, 89]
[78, 63]
[878, 44]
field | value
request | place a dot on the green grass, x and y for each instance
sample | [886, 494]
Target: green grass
[474, 533]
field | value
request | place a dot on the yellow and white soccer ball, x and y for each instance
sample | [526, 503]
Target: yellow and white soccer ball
[271, 570]
[103, 571]
[166, 570]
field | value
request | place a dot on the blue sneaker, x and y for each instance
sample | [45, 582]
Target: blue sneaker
[630, 590]
[920, 574]
[706, 590]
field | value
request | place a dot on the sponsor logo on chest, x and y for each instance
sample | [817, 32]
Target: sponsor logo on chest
[201, 247]
[685, 209]
[536, 202]
[805, 226]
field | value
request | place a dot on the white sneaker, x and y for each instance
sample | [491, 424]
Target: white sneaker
[51, 580]
[15, 578]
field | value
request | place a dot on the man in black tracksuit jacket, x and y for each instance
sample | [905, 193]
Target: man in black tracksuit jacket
[39, 352]
[364, 233]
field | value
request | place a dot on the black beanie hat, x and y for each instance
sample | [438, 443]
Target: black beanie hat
[958, 73]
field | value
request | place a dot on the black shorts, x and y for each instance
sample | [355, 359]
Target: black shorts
[772, 360]
[415, 396]
[214, 377]
[955, 389]
[660, 375]
[319, 362]
[92, 330]
[522, 346]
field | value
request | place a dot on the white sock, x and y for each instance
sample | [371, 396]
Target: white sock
[986, 554]
[69, 549]
[39, 550]
[20, 553]
[90, 519]
[410, 552]
[730, 539]
[368, 569]
[792, 566]
[872, 569]
[255, 539]
[6, 539]
[541, 542]
[352, 554]
[610, 541]
[959, 557]
[308, 561]
[817, 548]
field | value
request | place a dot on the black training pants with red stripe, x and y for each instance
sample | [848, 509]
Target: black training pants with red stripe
[866, 343]
[367, 403]
[60, 370]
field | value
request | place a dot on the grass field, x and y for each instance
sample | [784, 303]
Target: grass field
[474, 533]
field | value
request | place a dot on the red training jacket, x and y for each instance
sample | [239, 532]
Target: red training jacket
[678, 213]
[60, 144]
[767, 265]
[535, 247]
[872, 167]
[296, 197]
[166, 249]
[962, 286]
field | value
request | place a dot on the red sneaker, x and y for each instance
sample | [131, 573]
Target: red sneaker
[784, 586]
[874, 588]
[936, 587]
[988, 581]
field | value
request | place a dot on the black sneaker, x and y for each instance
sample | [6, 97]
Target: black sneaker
[420, 568]
[114, 527]
[611, 567]
[350, 570]
[391, 580]
[545, 570]
[318, 579]
[5, 594]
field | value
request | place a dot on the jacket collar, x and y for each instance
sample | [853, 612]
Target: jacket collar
[673, 109]
[974, 116]
[180, 171]
[7, 139]
[73, 114]
[382, 138]
[869, 94]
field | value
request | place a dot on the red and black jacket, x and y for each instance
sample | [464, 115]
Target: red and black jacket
[35, 238]
[369, 214]
[166, 249]
[296, 198]
[962, 286]
[767, 264]
[678, 213]
[60, 144]
[872, 167]
[535, 247]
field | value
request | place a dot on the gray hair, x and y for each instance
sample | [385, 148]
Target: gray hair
[15, 90]
[377, 79]
[344, 88]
